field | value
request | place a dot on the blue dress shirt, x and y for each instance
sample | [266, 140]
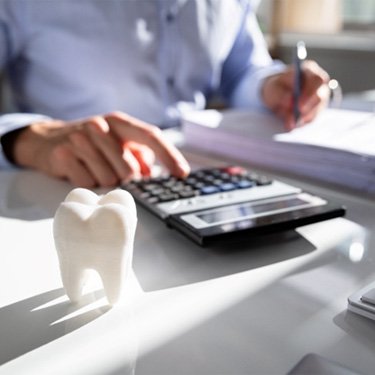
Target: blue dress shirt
[152, 59]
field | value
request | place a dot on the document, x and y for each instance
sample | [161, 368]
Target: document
[337, 129]
[337, 147]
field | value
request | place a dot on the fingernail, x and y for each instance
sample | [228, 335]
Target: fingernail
[98, 127]
[184, 168]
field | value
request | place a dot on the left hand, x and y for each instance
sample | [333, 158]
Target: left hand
[277, 93]
[101, 150]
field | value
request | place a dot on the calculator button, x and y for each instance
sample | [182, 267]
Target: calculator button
[130, 186]
[252, 176]
[235, 170]
[235, 178]
[135, 190]
[191, 181]
[227, 186]
[216, 172]
[225, 176]
[244, 184]
[187, 194]
[211, 189]
[149, 186]
[145, 195]
[198, 174]
[169, 184]
[209, 178]
[263, 180]
[167, 197]
[199, 185]
[157, 191]
[153, 200]
[177, 189]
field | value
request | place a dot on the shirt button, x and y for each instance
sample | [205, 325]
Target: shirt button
[169, 17]
[170, 81]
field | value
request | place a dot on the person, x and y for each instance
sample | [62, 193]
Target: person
[94, 81]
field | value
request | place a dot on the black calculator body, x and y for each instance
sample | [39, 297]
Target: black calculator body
[229, 203]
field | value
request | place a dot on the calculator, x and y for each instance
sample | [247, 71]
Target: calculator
[229, 204]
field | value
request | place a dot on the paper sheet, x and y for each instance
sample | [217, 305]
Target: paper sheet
[338, 129]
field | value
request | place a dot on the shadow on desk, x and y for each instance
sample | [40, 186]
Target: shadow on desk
[26, 325]
[363, 329]
[30, 195]
[164, 258]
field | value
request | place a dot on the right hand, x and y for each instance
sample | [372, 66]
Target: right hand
[98, 151]
[278, 93]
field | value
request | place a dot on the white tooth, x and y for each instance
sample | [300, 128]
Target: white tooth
[93, 232]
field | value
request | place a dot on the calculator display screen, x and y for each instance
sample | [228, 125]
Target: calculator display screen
[241, 211]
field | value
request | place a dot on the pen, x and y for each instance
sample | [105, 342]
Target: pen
[299, 57]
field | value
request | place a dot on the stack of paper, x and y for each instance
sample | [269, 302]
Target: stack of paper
[337, 147]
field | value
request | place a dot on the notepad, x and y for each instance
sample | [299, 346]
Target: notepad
[337, 147]
[338, 130]
[362, 302]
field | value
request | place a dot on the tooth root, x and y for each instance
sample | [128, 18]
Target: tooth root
[113, 278]
[73, 279]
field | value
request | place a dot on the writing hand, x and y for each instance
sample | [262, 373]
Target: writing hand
[97, 151]
[277, 93]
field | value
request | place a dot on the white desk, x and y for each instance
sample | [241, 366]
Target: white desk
[255, 308]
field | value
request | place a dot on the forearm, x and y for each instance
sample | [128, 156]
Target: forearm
[247, 66]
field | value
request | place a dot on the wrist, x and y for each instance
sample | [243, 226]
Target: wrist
[8, 143]
[26, 146]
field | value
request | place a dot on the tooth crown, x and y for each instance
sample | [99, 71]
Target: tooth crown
[93, 232]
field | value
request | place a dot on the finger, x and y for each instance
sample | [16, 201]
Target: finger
[314, 77]
[100, 134]
[312, 113]
[319, 99]
[130, 128]
[285, 111]
[277, 93]
[286, 78]
[134, 166]
[310, 106]
[99, 168]
[144, 156]
[64, 164]
[314, 95]
[290, 121]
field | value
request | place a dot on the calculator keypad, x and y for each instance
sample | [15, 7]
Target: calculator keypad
[199, 183]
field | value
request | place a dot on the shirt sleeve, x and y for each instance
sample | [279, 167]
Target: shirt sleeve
[11, 31]
[10, 122]
[247, 65]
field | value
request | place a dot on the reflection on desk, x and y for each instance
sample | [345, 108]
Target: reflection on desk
[190, 310]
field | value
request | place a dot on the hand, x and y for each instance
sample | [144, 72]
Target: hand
[97, 151]
[278, 93]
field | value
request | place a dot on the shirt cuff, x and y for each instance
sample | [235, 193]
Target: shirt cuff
[13, 121]
[248, 93]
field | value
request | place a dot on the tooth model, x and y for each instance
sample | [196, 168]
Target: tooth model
[95, 232]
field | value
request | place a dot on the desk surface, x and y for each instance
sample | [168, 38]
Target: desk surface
[255, 308]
